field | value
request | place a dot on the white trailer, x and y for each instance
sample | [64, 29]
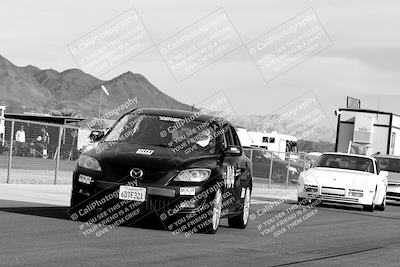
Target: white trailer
[282, 145]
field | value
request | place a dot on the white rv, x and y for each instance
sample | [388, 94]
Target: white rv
[280, 144]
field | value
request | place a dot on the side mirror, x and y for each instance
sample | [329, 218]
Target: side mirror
[233, 151]
[384, 173]
[96, 135]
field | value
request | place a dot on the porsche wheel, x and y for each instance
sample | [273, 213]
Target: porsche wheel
[371, 207]
[240, 221]
[382, 206]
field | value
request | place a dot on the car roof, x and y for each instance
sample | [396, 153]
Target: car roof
[348, 154]
[196, 116]
[387, 156]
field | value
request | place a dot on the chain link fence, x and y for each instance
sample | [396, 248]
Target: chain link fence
[36, 152]
[277, 169]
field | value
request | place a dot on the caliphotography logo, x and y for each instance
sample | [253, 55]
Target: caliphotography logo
[111, 44]
[199, 44]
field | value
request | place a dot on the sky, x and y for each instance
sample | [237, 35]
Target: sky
[363, 60]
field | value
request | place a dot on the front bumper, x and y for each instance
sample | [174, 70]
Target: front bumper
[343, 199]
[168, 199]
[393, 191]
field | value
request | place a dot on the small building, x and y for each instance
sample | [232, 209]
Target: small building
[367, 132]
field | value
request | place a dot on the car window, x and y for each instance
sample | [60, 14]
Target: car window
[174, 133]
[228, 136]
[346, 162]
[258, 156]
[247, 152]
[388, 164]
[235, 137]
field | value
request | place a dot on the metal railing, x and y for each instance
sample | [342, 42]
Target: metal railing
[34, 161]
[272, 168]
[40, 154]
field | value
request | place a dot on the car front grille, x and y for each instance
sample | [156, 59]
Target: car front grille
[339, 199]
[392, 194]
[120, 172]
[158, 203]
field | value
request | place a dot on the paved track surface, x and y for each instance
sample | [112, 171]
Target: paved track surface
[39, 234]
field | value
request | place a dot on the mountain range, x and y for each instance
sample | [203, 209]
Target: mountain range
[73, 92]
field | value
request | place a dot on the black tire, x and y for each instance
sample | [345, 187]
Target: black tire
[301, 201]
[382, 206]
[240, 221]
[369, 208]
[215, 213]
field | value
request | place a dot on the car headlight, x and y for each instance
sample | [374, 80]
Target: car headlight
[310, 188]
[88, 163]
[193, 175]
[356, 193]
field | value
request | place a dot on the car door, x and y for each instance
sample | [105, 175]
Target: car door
[235, 169]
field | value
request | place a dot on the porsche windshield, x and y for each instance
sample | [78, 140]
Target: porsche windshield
[346, 162]
[389, 164]
[164, 131]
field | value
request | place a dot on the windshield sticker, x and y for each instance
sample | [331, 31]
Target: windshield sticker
[162, 118]
[144, 151]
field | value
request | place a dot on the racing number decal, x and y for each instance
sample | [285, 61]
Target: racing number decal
[229, 176]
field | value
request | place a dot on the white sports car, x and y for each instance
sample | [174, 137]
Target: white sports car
[346, 179]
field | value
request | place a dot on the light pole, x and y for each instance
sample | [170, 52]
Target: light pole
[104, 89]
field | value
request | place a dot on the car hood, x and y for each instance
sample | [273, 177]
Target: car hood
[338, 178]
[394, 177]
[118, 159]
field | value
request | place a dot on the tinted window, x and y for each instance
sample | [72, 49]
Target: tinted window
[236, 140]
[247, 152]
[258, 156]
[345, 162]
[173, 133]
[228, 136]
[389, 164]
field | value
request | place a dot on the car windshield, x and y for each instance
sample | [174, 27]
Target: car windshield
[389, 164]
[345, 162]
[175, 133]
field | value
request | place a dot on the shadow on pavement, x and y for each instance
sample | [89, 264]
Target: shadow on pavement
[146, 221]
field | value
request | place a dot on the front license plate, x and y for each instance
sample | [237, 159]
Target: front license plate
[132, 193]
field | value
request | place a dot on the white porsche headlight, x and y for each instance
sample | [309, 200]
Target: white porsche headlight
[193, 175]
[310, 188]
[88, 163]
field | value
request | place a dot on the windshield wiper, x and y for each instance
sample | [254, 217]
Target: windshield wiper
[160, 145]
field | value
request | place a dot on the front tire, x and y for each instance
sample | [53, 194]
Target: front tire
[301, 201]
[240, 221]
[382, 206]
[371, 207]
[216, 211]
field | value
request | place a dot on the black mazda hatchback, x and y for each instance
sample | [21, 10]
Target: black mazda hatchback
[186, 168]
